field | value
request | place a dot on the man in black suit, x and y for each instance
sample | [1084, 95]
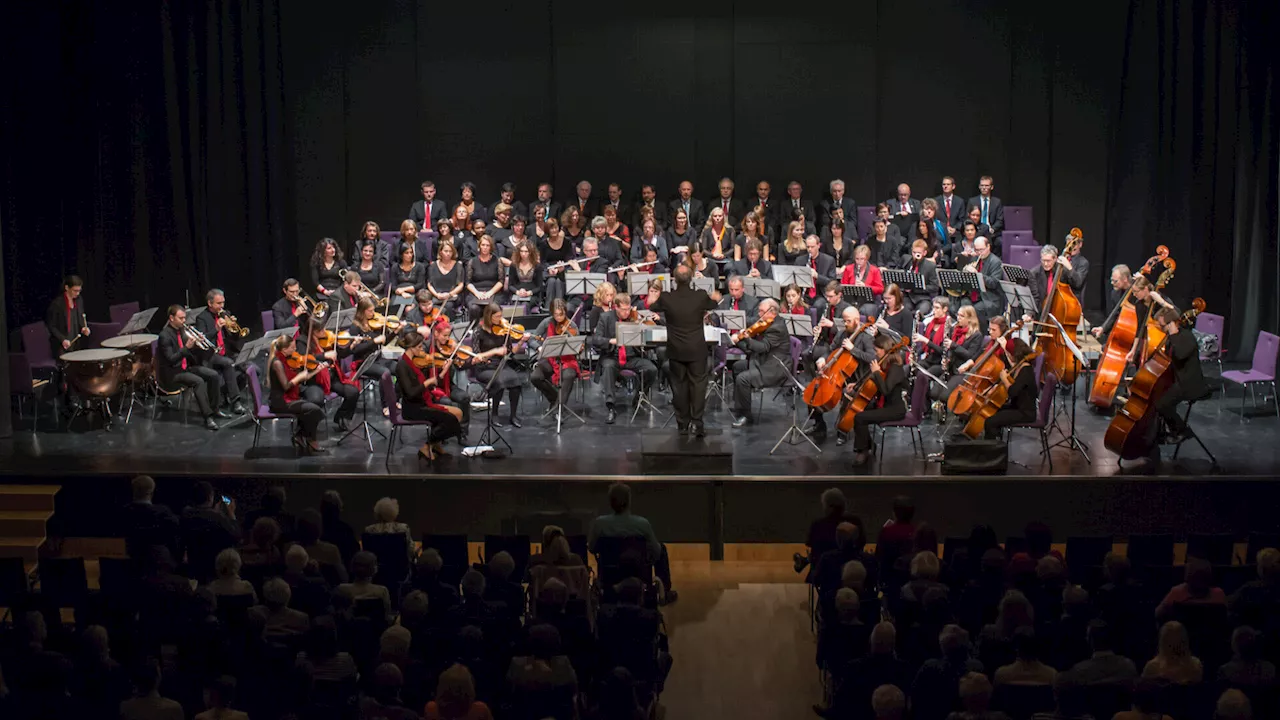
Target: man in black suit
[988, 303]
[768, 357]
[738, 299]
[544, 199]
[587, 205]
[795, 200]
[649, 199]
[1040, 276]
[837, 201]
[691, 205]
[428, 208]
[764, 198]
[65, 319]
[213, 328]
[286, 311]
[684, 310]
[822, 267]
[613, 196]
[147, 525]
[991, 210]
[347, 296]
[615, 358]
[732, 206]
[1188, 383]
[921, 299]
[951, 207]
[752, 263]
[830, 310]
[904, 211]
[179, 366]
[508, 195]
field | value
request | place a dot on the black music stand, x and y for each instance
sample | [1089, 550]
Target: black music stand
[369, 383]
[962, 282]
[762, 287]
[731, 320]
[705, 284]
[857, 295]
[491, 433]
[905, 280]
[1016, 273]
[632, 335]
[798, 325]
[797, 275]
[1070, 439]
[554, 347]
[1020, 295]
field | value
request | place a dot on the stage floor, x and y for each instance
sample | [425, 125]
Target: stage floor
[1244, 445]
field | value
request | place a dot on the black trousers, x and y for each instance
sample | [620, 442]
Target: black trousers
[1003, 419]
[310, 415]
[207, 386]
[610, 368]
[688, 389]
[461, 399]
[443, 424]
[508, 379]
[224, 366]
[1167, 406]
[541, 379]
[863, 421]
[920, 304]
[315, 394]
[747, 377]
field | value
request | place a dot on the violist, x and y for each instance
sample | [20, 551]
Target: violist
[554, 377]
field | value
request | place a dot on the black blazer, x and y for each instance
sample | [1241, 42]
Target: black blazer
[56, 322]
[765, 352]
[697, 213]
[553, 210]
[749, 304]
[825, 265]
[282, 314]
[607, 329]
[958, 211]
[659, 217]
[735, 212]
[828, 208]
[169, 362]
[786, 206]
[913, 207]
[589, 210]
[684, 309]
[743, 267]
[518, 209]
[417, 213]
[930, 273]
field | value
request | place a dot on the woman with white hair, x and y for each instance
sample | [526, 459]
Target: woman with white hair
[385, 513]
[228, 582]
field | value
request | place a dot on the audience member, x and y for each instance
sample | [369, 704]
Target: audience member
[543, 683]
[1069, 636]
[307, 588]
[363, 567]
[456, 698]
[262, 548]
[219, 694]
[282, 622]
[1233, 705]
[273, 507]
[441, 597]
[1145, 703]
[935, 692]
[385, 512]
[617, 699]
[334, 529]
[384, 703]
[623, 523]
[1257, 601]
[328, 663]
[1173, 661]
[975, 698]
[208, 527]
[855, 684]
[1104, 666]
[1247, 669]
[983, 591]
[995, 644]
[925, 570]
[845, 638]
[103, 682]
[888, 703]
[822, 532]
[147, 704]
[896, 536]
[851, 543]
[500, 589]
[228, 581]
[147, 524]
[1026, 669]
[326, 555]
[1196, 589]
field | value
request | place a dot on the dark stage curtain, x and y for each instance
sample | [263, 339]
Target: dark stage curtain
[142, 152]
[1193, 161]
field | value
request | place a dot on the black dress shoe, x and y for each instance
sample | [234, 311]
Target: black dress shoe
[611, 417]
[515, 422]
[341, 423]
[221, 414]
[238, 408]
[682, 429]
[210, 424]
[740, 421]
[699, 430]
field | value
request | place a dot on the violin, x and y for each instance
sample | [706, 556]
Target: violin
[866, 393]
[328, 340]
[507, 329]
[756, 328]
[309, 362]
[389, 322]
[449, 350]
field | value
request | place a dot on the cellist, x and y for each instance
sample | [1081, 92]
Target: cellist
[891, 382]
[1188, 383]
[1021, 405]
[1144, 297]
[861, 346]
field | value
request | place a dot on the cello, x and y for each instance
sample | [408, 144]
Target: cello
[985, 373]
[1124, 334]
[867, 391]
[993, 399]
[1129, 434]
[825, 390]
[1063, 304]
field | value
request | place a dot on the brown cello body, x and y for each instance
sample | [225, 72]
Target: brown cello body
[992, 401]
[866, 394]
[1110, 371]
[826, 389]
[984, 373]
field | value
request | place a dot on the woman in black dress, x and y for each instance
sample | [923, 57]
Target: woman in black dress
[444, 278]
[366, 340]
[702, 267]
[524, 276]
[680, 234]
[750, 228]
[538, 224]
[284, 386]
[490, 344]
[573, 225]
[327, 266]
[792, 247]
[416, 402]
[838, 246]
[407, 277]
[891, 382]
[894, 315]
[484, 277]
[372, 272]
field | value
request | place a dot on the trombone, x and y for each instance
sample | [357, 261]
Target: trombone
[319, 311]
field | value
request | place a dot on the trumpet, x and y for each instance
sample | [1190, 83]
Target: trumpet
[318, 310]
[231, 325]
[195, 337]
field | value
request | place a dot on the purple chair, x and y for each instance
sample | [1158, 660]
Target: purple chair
[35, 345]
[915, 413]
[1017, 237]
[1017, 217]
[1215, 325]
[23, 384]
[1262, 371]
[261, 408]
[397, 420]
[100, 331]
[866, 219]
[123, 312]
[268, 321]
[1024, 256]
[1043, 409]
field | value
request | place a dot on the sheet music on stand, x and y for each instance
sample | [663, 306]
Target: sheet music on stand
[961, 280]
[731, 320]
[762, 287]
[253, 348]
[1015, 273]
[1070, 341]
[655, 335]
[193, 313]
[706, 284]
[341, 319]
[715, 335]
[582, 283]
[798, 325]
[793, 275]
[857, 295]
[139, 322]
[561, 345]
[1019, 295]
[905, 280]
[630, 334]
[638, 283]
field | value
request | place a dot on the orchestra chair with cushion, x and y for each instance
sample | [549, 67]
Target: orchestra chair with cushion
[35, 345]
[910, 423]
[183, 395]
[1191, 433]
[1044, 407]
[100, 331]
[397, 419]
[24, 385]
[1018, 217]
[123, 312]
[1263, 370]
[261, 408]
[268, 321]
[1215, 325]
[1017, 237]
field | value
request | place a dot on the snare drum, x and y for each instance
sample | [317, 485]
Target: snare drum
[96, 373]
[140, 355]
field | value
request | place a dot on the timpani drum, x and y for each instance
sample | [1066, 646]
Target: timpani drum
[140, 355]
[96, 373]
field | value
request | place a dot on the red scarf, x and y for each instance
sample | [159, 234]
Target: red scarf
[292, 392]
[560, 363]
[959, 333]
[325, 380]
[936, 330]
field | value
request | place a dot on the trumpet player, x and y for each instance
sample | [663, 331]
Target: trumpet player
[213, 324]
[179, 366]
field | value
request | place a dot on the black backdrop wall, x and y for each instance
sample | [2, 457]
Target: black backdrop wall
[156, 149]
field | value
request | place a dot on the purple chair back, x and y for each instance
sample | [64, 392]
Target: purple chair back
[261, 409]
[1045, 405]
[20, 377]
[1024, 256]
[35, 345]
[1039, 366]
[101, 331]
[1017, 237]
[1264, 354]
[268, 321]
[866, 219]
[1017, 217]
[389, 400]
[1211, 324]
[122, 312]
[797, 349]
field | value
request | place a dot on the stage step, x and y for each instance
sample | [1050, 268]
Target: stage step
[24, 512]
[27, 548]
[664, 452]
[23, 523]
[28, 497]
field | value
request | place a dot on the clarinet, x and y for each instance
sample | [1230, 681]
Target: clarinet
[915, 329]
[946, 354]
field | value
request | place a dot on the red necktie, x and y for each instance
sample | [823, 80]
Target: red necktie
[725, 205]
[813, 265]
[973, 295]
[1048, 285]
[915, 266]
[735, 304]
[222, 347]
[180, 346]
[622, 355]
[948, 205]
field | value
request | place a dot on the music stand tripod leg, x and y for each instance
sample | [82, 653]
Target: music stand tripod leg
[794, 432]
[364, 425]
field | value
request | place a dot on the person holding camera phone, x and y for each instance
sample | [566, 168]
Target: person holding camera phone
[207, 527]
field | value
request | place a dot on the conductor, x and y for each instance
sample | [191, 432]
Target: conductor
[684, 309]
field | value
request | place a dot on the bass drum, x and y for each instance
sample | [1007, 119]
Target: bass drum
[96, 373]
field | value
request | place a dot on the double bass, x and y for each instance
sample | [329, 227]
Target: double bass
[826, 388]
[867, 392]
[1130, 432]
[985, 372]
[993, 399]
[1155, 333]
[1124, 333]
[1063, 304]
